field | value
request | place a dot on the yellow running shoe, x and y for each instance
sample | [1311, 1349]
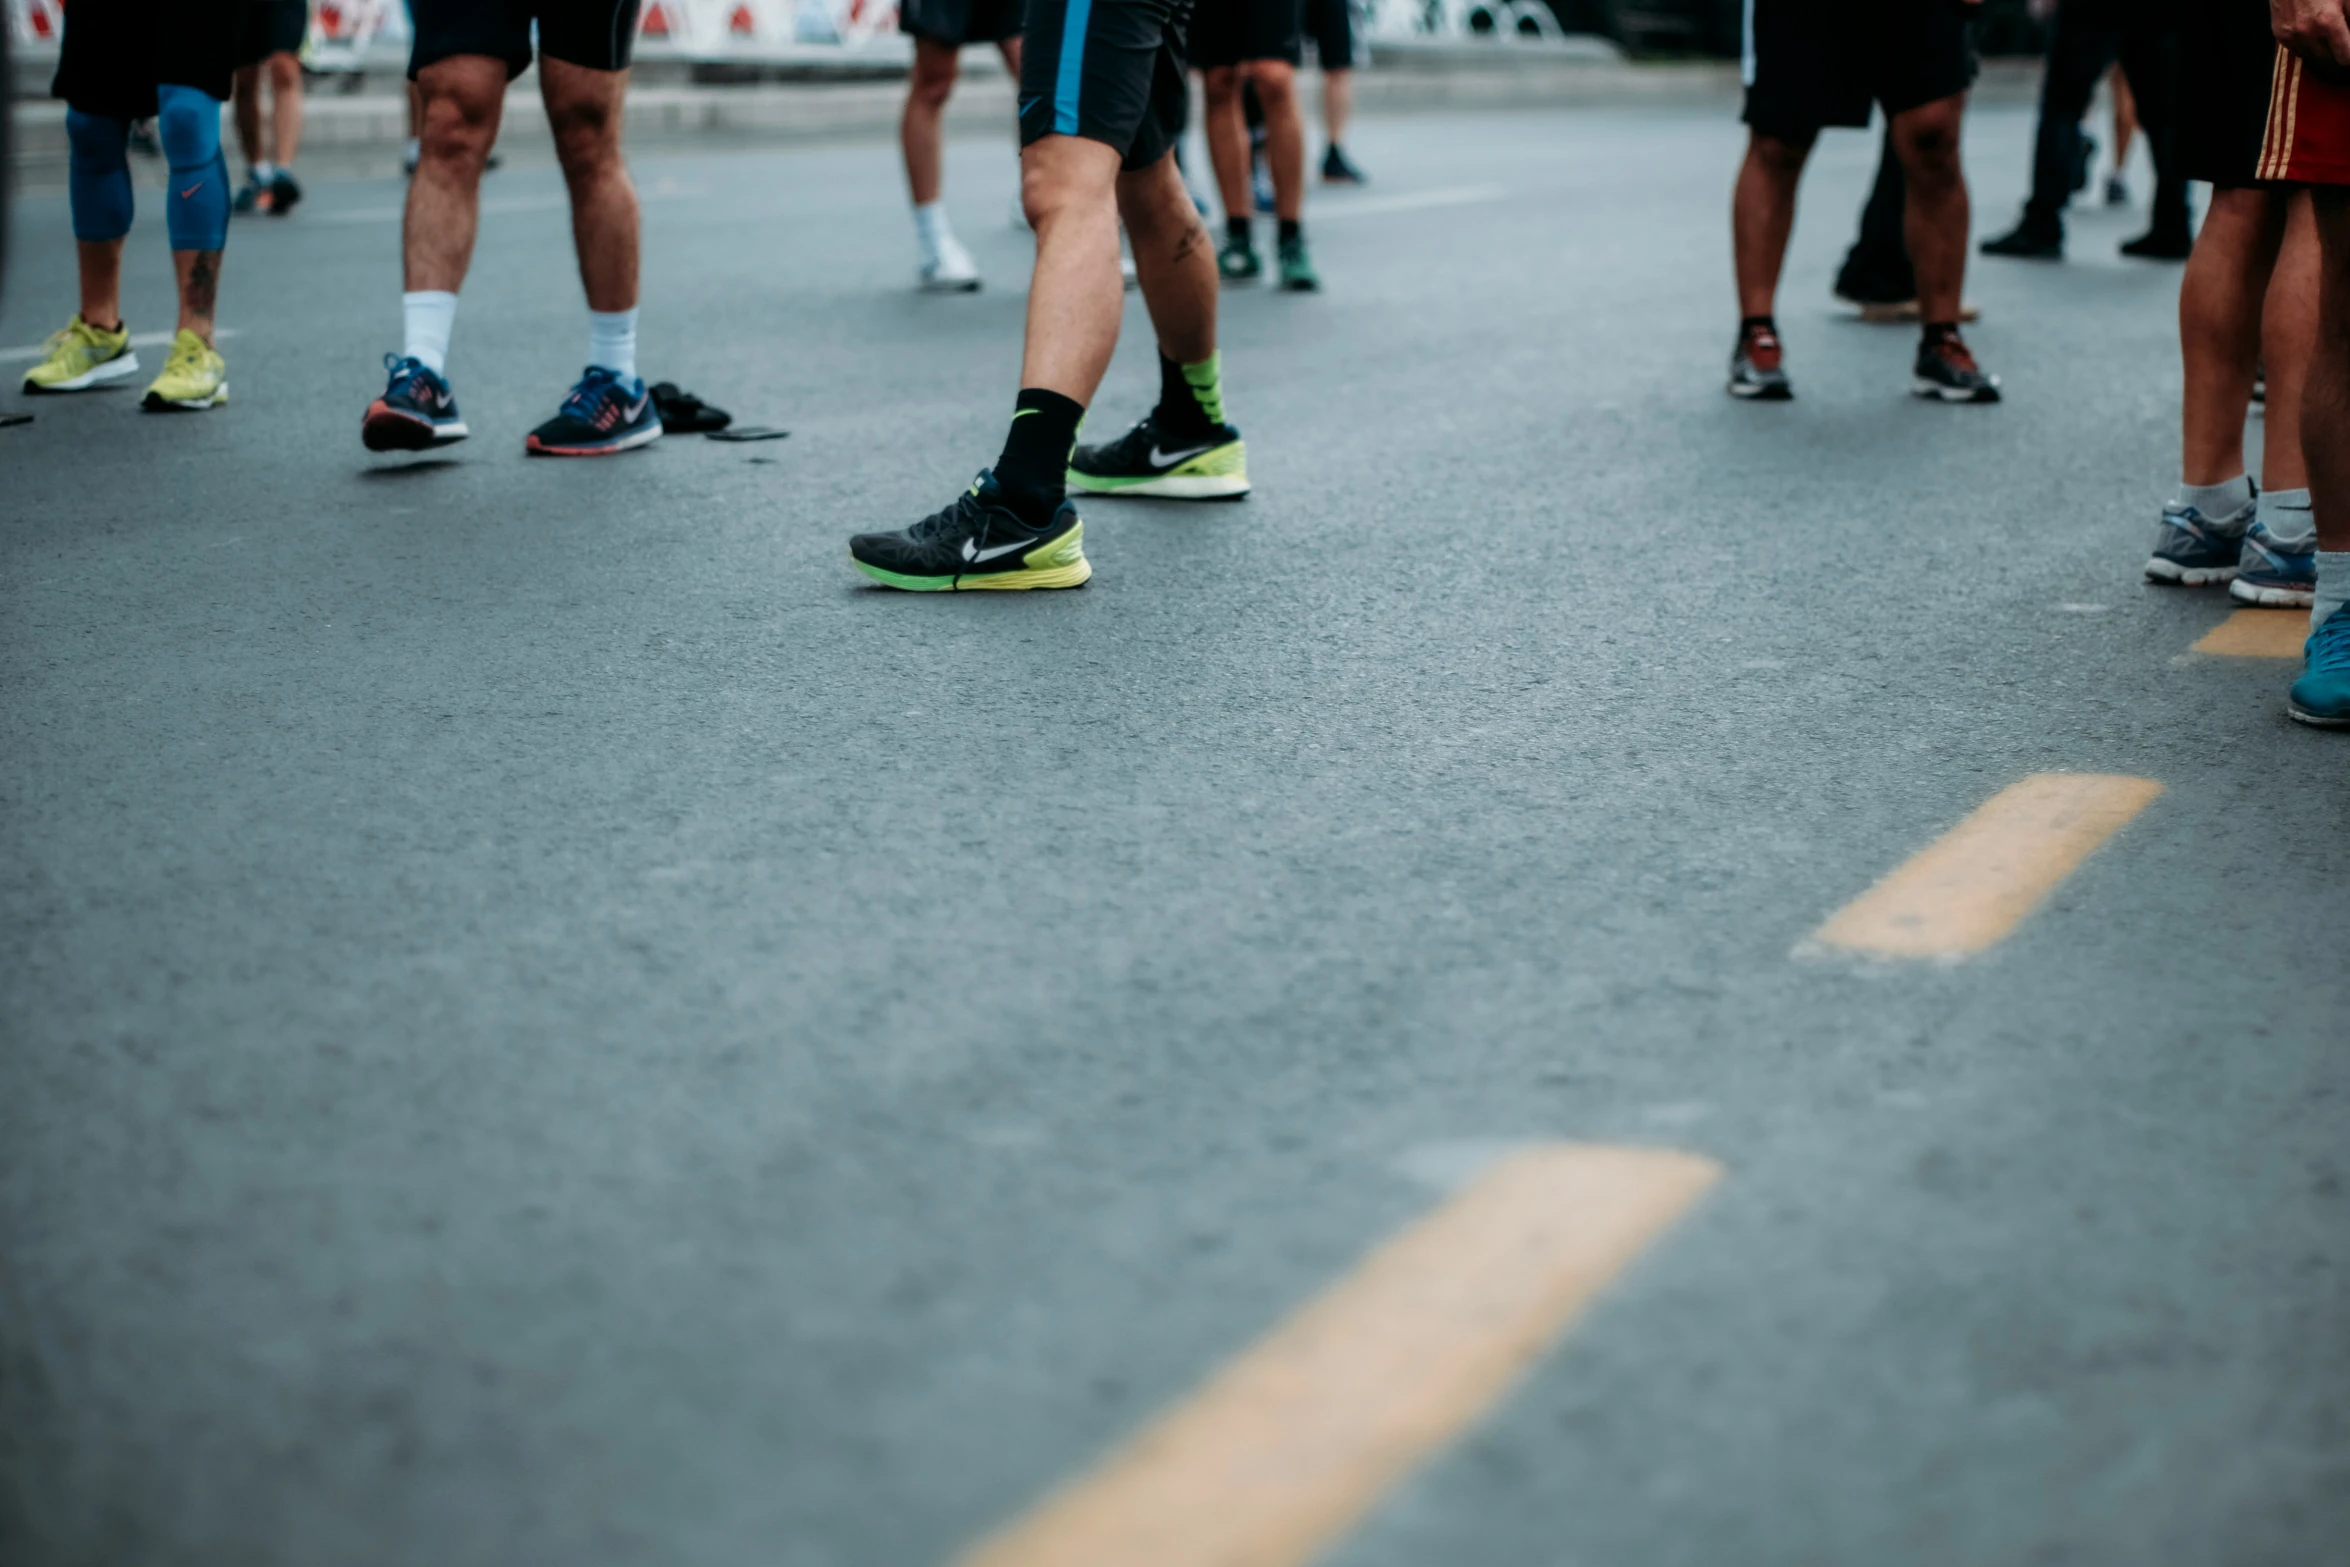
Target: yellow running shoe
[81, 357]
[195, 376]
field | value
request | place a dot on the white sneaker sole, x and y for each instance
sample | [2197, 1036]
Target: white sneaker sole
[1179, 487]
[2160, 570]
[2271, 598]
[96, 375]
[1935, 391]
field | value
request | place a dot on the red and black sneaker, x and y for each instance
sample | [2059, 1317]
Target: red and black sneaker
[1948, 373]
[603, 415]
[416, 412]
[1757, 365]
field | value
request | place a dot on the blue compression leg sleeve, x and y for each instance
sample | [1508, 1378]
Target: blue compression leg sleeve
[98, 175]
[195, 209]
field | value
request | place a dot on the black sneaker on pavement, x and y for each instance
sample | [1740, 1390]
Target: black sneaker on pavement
[1757, 369]
[1947, 373]
[2034, 238]
[977, 542]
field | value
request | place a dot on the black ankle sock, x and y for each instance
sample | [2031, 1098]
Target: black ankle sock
[1936, 332]
[1032, 472]
[1236, 230]
[1748, 325]
[1292, 230]
[1179, 412]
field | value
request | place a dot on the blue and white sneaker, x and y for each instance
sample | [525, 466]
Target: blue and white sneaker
[416, 411]
[603, 415]
[2195, 551]
[2322, 695]
[2273, 576]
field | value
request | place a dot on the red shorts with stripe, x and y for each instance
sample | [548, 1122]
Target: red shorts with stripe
[2308, 137]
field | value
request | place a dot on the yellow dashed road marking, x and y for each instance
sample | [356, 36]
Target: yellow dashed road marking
[1974, 884]
[1285, 1450]
[2258, 633]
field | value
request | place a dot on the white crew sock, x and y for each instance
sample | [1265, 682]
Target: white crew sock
[2287, 517]
[264, 172]
[431, 315]
[931, 229]
[2333, 586]
[612, 341]
[2219, 502]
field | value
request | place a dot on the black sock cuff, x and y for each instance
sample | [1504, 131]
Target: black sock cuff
[1748, 324]
[1237, 229]
[1292, 229]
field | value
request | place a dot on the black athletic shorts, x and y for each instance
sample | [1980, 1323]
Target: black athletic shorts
[1816, 63]
[2227, 58]
[598, 34]
[961, 21]
[1112, 71]
[1226, 32]
[116, 52]
[1336, 37]
[267, 27]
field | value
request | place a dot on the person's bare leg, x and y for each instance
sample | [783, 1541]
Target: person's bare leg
[1935, 220]
[285, 108]
[248, 99]
[584, 110]
[2125, 116]
[1069, 187]
[1762, 215]
[2325, 395]
[1338, 103]
[1173, 260]
[100, 264]
[1285, 136]
[2288, 336]
[459, 101]
[2228, 276]
[1226, 131]
[198, 272]
[928, 86]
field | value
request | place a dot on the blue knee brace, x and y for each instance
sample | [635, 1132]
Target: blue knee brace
[195, 209]
[98, 175]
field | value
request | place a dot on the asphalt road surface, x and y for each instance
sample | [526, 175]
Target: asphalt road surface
[546, 1022]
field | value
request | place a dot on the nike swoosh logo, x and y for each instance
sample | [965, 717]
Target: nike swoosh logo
[191, 190]
[1161, 459]
[639, 408]
[975, 555]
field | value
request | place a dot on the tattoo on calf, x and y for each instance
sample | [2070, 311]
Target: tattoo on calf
[203, 282]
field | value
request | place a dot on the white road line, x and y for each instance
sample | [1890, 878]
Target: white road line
[1406, 201]
[140, 340]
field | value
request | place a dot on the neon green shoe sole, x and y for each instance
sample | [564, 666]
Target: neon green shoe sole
[1220, 473]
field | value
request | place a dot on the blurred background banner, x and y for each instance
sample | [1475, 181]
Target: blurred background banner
[342, 30]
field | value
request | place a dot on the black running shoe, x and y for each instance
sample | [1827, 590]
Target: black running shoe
[1947, 373]
[977, 543]
[603, 415]
[416, 411]
[1339, 169]
[2161, 245]
[2034, 238]
[1758, 367]
[1146, 460]
[283, 194]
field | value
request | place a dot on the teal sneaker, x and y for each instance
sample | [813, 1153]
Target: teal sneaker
[1237, 261]
[2321, 696]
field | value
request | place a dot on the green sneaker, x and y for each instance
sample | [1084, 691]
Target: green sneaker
[81, 357]
[195, 376]
[2321, 697]
[1237, 261]
[1297, 268]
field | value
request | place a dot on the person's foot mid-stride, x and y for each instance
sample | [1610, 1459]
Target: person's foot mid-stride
[464, 57]
[1100, 111]
[1810, 67]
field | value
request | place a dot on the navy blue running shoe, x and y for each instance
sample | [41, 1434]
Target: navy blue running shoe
[2274, 575]
[416, 411]
[603, 415]
[2195, 551]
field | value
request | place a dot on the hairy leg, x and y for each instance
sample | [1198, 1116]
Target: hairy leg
[1935, 224]
[1173, 260]
[1068, 185]
[929, 83]
[100, 264]
[1285, 135]
[285, 107]
[584, 109]
[2325, 401]
[2220, 301]
[1226, 129]
[1762, 215]
[459, 101]
[199, 282]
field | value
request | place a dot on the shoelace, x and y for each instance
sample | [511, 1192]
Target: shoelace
[405, 372]
[591, 400]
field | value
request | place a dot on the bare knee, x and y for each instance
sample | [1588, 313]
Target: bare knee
[1778, 156]
[1221, 85]
[587, 138]
[456, 128]
[285, 73]
[932, 80]
[1928, 142]
[1276, 83]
